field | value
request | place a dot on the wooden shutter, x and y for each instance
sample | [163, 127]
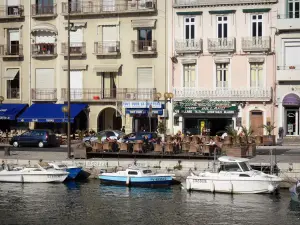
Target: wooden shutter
[44, 78]
[144, 78]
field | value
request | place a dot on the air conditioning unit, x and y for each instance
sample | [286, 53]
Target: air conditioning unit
[148, 48]
[149, 4]
[131, 96]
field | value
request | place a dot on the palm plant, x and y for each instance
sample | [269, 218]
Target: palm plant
[233, 133]
[269, 128]
[247, 133]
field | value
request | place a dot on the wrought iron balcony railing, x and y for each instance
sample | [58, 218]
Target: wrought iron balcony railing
[195, 3]
[13, 50]
[39, 10]
[221, 45]
[49, 94]
[11, 12]
[143, 47]
[113, 6]
[107, 48]
[106, 94]
[76, 48]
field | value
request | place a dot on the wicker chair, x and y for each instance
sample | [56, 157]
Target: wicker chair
[185, 147]
[158, 148]
[169, 148]
[123, 147]
[138, 147]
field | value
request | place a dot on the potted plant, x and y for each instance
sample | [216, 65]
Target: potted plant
[269, 139]
[247, 135]
[161, 128]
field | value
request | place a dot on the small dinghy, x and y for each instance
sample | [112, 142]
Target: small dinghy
[36, 174]
[295, 192]
[74, 171]
[136, 177]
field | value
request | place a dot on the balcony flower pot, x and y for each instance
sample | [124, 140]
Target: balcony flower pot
[96, 97]
[292, 67]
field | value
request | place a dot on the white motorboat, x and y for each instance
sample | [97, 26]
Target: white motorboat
[235, 175]
[32, 175]
[136, 177]
[295, 192]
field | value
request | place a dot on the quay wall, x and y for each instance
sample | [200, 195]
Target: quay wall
[290, 172]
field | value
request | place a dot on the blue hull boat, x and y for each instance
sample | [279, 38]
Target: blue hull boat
[295, 192]
[136, 178]
[73, 172]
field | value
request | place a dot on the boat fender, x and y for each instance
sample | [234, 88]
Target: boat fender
[128, 181]
[271, 188]
[188, 185]
[212, 187]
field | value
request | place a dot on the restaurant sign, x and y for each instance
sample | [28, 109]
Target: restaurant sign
[205, 107]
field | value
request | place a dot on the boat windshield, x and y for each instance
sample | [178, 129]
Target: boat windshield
[244, 166]
[147, 171]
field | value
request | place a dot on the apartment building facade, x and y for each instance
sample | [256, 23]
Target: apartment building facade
[222, 67]
[288, 65]
[117, 53]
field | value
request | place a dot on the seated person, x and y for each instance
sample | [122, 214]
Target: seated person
[211, 142]
[145, 143]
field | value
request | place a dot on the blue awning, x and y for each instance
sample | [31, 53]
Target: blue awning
[144, 111]
[45, 113]
[10, 111]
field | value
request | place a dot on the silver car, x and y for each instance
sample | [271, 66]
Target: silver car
[112, 134]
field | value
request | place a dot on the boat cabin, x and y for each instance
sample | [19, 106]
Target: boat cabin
[138, 172]
[233, 164]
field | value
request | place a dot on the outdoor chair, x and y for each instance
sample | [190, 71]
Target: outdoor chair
[138, 147]
[205, 150]
[123, 147]
[185, 147]
[97, 147]
[169, 148]
[193, 148]
[107, 146]
[158, 148]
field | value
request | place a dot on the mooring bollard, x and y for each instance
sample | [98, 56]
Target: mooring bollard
[6, 151]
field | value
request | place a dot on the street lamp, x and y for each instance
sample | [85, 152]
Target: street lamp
[1, 99]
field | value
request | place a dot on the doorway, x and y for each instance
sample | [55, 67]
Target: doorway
[292, 122]
[256, 122]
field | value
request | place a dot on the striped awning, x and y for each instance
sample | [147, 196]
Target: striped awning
[45, 27]
[10, 74]
[107, 68]
[143, 23]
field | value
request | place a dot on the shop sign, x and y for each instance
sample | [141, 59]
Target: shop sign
[205, 107]
[142, 105]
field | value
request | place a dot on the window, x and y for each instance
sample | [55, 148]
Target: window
[13, 84]
[231, 167]
[176, 121]
[292, 54]
[144, 39]
[132, 173]
[13, 40]
[189, 75]
[256, 70]
[256, 27]
[222, 22]
[244, 166]
[189, 28]
[222, 75]
[293, 8]
[108, 85]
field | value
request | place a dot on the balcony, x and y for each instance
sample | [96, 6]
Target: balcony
[107, 48]
[108, 95]
[43, 11]
[288, 22]
[188, 46]
[12, 12]
[288, 73]
[42, 50]
[223, 94]
[256, 44]
[221, 45]
[13, 93]
[38, 94]
[88, 8]
[143, 47]
[76, 49]
[11, 51]
[199, 3]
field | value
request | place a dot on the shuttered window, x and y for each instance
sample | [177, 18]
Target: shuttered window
[144, 77]
[189, 75]
[44, 79]
[109, 33]
[76, 84]
[13, 2]
[292, 54]
[14, 35]
[76, 38]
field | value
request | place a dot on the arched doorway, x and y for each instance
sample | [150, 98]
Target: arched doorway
[107, 119]
[256, 122]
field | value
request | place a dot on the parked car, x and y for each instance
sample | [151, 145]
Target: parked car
[40, 138]
[112, 134]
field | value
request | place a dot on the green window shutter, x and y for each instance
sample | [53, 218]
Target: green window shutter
[222, 12]
[259, 10]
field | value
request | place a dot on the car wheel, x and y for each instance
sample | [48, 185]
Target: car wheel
[41, 144]
[15, 144]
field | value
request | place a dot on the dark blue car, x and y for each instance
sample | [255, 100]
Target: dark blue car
[40, 138]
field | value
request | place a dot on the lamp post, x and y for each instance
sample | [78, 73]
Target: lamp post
[1, 99]
[69, 86]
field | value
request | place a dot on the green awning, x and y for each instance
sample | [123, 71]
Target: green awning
[222, 12]
[189, 13]
[256, 10]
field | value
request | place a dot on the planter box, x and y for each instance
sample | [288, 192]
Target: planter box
[258, 140]
[269, 140]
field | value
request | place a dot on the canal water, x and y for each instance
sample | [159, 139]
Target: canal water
[90, 204]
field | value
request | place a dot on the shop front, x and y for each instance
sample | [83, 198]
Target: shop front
[144, 115]
[8, 117]
[204, 117]
[291, 104]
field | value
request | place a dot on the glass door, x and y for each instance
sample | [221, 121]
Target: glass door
[292, 122]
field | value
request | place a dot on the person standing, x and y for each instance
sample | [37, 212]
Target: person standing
[123, 129]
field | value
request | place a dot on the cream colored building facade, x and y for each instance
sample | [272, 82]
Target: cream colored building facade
[118, 55]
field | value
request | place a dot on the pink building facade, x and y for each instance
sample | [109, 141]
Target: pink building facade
[222, 67]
